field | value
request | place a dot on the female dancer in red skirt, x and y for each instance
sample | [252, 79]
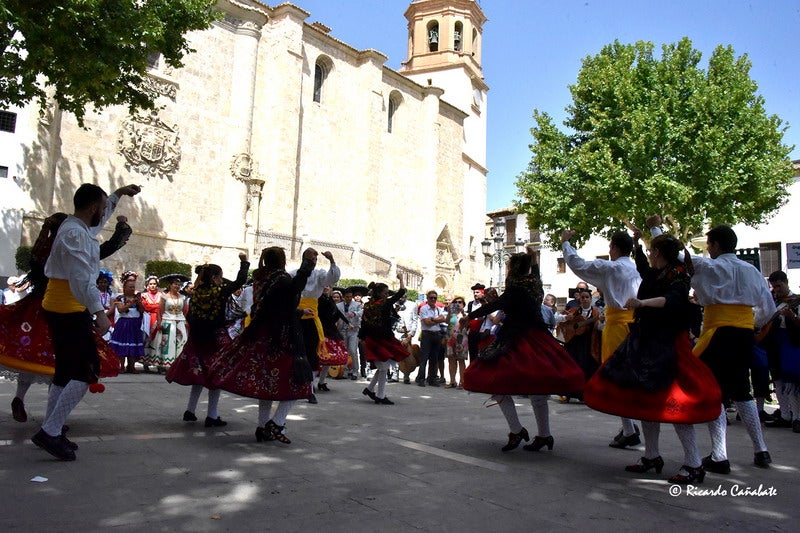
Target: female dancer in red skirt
[524, 358]
[335, 348]
[207, 336]
[653, 376]
[25, 343]
[377, 332]
[267, 361]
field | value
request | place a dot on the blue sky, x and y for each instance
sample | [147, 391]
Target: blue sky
[533, 49]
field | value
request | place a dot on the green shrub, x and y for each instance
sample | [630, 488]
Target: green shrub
[162, 268]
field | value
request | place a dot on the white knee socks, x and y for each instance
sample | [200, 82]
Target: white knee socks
[717, 430]
[686, 434]
[749, 414]
[541, 411]
[70, 396]
[506, 404]
[651, 432]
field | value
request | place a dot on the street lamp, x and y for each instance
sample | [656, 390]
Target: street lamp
[499, 254]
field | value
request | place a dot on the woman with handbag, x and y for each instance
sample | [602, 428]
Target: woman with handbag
[653, 376]
[524, 358]
[267, 361]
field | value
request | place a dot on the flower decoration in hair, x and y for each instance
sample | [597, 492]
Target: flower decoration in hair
[128, 274]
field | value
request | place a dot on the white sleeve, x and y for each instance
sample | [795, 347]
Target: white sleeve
[81, 270]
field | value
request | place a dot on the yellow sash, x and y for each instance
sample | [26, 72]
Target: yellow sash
[720, 315]
[306, 303]
[615, 330]
[58, 298]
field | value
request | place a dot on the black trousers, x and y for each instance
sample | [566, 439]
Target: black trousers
[74, 347]
[729, 355]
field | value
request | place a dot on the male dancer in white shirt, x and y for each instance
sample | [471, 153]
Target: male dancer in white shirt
[352, 310]
[70, 300]
[619, 280]
[735, 299]
[313, 337]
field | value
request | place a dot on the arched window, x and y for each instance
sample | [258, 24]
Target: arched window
[322, 68]
[433, 36]
[394, 102]
[458, 34]
[474, 40]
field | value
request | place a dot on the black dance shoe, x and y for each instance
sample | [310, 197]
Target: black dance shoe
[277, 432]
[312, 399]
[762, 459]
[621, 441]
[215, 422]
[515, 438]
[367, 392]
[263, 434]
[55, 446]
[539, 443]
[774, 423]
[18, 410]
[718, 467]
[68, 443]
[323, 387]
[695, 475]
[383, 401]
[646, 464]
[189, 416]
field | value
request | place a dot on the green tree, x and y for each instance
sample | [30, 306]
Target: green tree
[656, 135]
[91, 51]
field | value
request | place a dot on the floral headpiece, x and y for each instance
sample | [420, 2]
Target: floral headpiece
[128, 274]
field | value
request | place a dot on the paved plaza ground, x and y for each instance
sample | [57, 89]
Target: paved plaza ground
[432, 462]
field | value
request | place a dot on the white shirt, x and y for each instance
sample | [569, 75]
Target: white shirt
[431, 312]
[75, 257]
[729, 280]
[619, 280]
[246, 299]
[407, 325]
[318, 280]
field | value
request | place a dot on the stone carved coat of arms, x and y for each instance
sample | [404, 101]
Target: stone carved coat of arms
[149, 146]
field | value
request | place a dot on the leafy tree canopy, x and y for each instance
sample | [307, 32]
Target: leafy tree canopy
[656, 135]
[91, 51]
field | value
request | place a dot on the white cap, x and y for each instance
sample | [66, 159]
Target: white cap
[13, 280]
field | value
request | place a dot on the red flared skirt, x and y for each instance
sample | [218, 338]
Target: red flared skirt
[257, 365]
[337, 353]
[198, 355]
[26, 345]
[384, 349]
[535, 364]
[693, 398]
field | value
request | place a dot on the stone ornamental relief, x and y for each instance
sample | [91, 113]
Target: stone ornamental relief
[160, 87]
[243, 167]
[150, 147]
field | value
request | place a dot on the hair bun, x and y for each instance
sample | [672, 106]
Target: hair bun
[371, 285]
[198, 269]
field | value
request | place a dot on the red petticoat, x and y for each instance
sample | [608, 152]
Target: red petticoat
[535, 364]
[197, 357]
[337, 353]
[384, 349]
[25, 342]
[257, 366]
[693, 398]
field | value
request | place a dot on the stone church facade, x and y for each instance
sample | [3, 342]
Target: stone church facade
[276, 133]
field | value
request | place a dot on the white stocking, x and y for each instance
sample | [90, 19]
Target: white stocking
[264, 408]
[194, 397]
[381, 375]
[67, 400]
[747, 410]
[688, 438]
[282, 412]
[53, 393]
[717, 430]
[509, 410]
[213, 401]
[541, 411]
[628, 428]
[651, 431]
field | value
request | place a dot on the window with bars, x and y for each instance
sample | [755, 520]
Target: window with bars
[770, 255]
[8, 121]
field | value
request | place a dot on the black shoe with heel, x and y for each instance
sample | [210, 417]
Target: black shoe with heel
[695, 475]
[383, 401]
[215, 422]
[189, 416]
[515, 438]
[277, 432]
[646, 464]
[370, 394]
[539, 443]
[718, 467]
[263, 434]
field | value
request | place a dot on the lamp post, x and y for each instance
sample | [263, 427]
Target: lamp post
[500, 252]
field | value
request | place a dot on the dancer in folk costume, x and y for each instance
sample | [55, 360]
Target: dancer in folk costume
[618, 280]
[70, 300]
[313, 334]
[380, 344]
[151, 317]
[26, 347]
[653, 376]
[208, 334]
[267, 361]
[172, 335]
[127, 339]
[524, 358]
[735, 299]
[335, 349]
